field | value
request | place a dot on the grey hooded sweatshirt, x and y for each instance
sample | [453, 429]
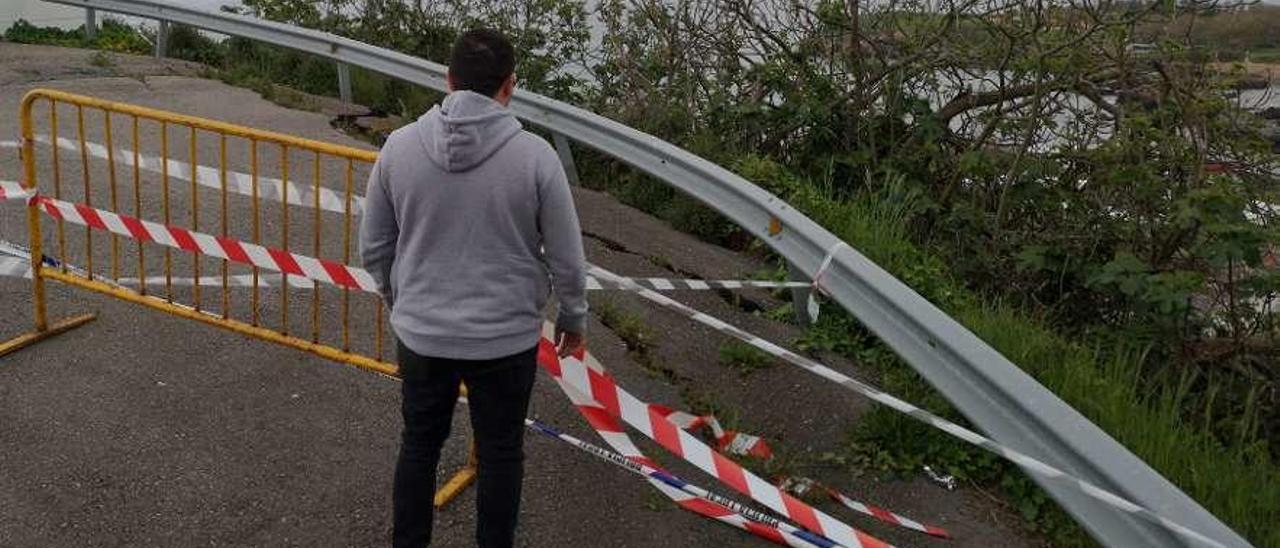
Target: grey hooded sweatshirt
[468, 222]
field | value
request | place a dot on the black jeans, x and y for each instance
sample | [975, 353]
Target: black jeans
[498, 394]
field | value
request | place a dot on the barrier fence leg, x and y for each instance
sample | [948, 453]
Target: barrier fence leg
[462, 478]
[42, 329]
[27, 339]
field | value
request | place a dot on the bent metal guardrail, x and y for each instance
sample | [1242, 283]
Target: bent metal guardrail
[987, 388]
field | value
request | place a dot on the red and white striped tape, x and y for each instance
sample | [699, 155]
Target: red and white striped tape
[799, 486]
[585, 375]
[885, 515]
[610, 430]
[736, 443]
[679, 490]
[11, 190]
[196, 242]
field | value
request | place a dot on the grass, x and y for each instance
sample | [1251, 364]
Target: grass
[744, 358]
[1238, 483]
[101, 59]
[627, 325]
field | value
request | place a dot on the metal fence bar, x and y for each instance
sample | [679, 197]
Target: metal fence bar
[57, 183]
[88, 186]
[284, 236]
[195, 211]
[992, 392]
[137, 207]
[31, 181]
[164, 206]
[115, 202]
[346, 252]
[257, 227]
[222, 181]
[315, 245]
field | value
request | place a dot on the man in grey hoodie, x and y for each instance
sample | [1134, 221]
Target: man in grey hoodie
[468, 224]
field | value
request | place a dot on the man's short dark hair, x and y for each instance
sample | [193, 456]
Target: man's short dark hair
[481, 61]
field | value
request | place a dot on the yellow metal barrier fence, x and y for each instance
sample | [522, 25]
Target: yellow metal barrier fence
[327, 171]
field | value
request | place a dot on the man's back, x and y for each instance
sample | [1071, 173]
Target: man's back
[467, 222]
[473, 199]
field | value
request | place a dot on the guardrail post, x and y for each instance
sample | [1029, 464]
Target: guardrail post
[566, 157]
[90, 23]
[799, 295]
[344, 82]
[162, 39]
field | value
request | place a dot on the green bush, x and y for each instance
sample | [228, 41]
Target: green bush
[113, 35]
[189, 43]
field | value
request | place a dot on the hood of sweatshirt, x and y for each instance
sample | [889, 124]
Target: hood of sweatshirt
[465, 130]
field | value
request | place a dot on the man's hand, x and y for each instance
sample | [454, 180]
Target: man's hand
[568, 342]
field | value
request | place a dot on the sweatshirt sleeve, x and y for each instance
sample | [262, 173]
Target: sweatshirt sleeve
[562, 244]
[379, 232]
